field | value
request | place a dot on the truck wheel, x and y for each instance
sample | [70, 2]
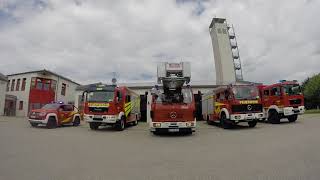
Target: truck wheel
[121, 124]
[34, 124]
[252, 123]
[293, 118]
[52, 123]
[94, 125]
[76, 121]
[274, 117]
[224, 124]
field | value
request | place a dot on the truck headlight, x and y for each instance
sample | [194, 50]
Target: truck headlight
[156, 124]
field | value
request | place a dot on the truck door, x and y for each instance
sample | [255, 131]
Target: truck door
[275, 96]
[66, 113]
[265, 98]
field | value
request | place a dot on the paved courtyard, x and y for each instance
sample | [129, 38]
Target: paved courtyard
[284, 151]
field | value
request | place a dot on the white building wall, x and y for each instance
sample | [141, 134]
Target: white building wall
[3, 87]
[21, 95]
[70, 91]
[24, 95]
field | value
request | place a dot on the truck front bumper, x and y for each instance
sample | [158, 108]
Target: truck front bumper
[173, 126]
[108, 119]
[38, 121]
[246, 117]
[288, 111]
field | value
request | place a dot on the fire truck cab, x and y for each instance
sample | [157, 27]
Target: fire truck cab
[232, 104]
[55, 114]
[110, 105]
[173, 106]
[282, 100]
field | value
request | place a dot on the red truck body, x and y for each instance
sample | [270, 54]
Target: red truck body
[111, 105]
[232, 104]
[282, 100]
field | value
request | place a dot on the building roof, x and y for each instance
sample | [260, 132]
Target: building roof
[44, 72]
[3, 77]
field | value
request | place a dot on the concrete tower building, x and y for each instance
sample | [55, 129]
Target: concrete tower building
[226, 53]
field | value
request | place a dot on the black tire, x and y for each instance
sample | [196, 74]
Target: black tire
[76, 121]
[94, 125]
[293, 118]
[156, 133]
[121, 124]
[34, 124]
[224, 124]
[52, 123]
[274, 117]
[252, 123]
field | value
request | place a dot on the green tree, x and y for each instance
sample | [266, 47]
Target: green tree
[311, 91]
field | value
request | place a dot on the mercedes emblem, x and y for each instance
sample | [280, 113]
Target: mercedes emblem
[173, 115]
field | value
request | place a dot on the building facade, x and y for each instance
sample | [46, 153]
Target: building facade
[35, 88]
[3, 85]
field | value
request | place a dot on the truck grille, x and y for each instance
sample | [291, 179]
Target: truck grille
[295, 101]
[98, 109]
[247, 108]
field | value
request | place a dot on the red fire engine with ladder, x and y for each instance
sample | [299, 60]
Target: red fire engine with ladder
[173, 106]
[282, 100]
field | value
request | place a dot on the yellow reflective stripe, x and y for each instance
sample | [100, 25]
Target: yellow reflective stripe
[127, 108]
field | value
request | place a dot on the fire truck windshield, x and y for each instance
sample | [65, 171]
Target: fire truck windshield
[51, 106]
[292, 89]
[100, 96]
[245, 92]
[184, 97]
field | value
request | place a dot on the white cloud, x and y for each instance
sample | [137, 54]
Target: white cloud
[88, 40]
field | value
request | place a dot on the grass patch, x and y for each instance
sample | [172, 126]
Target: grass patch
[312, 111]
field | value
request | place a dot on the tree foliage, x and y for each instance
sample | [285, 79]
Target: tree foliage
[311, 91]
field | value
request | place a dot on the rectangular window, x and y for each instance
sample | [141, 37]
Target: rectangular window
[46, 85]
[128, 98]
[224, 31]
[63, 89]
[33, 83]
[39, 84]
[21, 105]
[275, 91]
[18, 85]
[12, 84]
[23, 85]
[8, 85]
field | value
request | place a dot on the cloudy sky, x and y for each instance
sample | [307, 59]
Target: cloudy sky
[88, 40]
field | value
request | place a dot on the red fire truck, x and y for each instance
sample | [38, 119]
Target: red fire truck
[232, 104]
[173, 106]
[282, 100]
[110, 105]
